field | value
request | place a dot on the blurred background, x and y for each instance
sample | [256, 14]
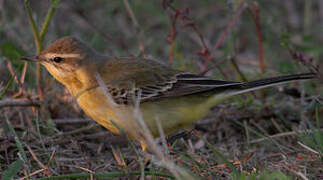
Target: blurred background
[235, 40]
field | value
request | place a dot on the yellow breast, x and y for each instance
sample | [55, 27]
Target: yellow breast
[95, 104]
[172, 113]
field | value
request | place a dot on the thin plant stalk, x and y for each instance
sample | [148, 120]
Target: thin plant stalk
[38, 37]
[48, 18]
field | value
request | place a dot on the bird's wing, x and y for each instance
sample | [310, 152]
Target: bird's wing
[187, 83]
[147, 81]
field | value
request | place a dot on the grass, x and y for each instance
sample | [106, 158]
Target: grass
[275, 134]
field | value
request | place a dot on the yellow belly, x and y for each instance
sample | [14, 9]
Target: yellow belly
[172, 113]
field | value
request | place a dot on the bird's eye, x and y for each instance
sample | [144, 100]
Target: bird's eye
[57, 59]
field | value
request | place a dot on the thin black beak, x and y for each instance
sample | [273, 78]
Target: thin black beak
[31, 58]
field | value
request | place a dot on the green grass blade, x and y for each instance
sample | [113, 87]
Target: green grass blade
[12, 170]
[273, 176]
[318, 133]
[48, 18]
[6, 87]
[33, 27]
[263, 136]
[236, 174]
[18, 142]
[11, 51]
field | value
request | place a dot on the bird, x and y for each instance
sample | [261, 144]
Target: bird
[116, 91]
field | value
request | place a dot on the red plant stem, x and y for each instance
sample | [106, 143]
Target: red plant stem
[221, 40]
[195, 28]
[205, 53]
[229, 27]
[171, 52]
[256, 18]
[172, 36]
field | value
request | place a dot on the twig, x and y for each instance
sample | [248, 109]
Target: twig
[72, 121]
[14, 102]
[5, 144]
[272, 119]
[33, 173]
[290, 133]
[4, 89]
[108, 175]
[222, 38]
[304, 59]
[214, 65]
[76, 131]
[296, 172]
[14, 75]
[51, 157]
[137, 27]
[41, 165]
[172, 34]
[118, 157]
[183, 15]
[236, 67]
[229, 27]
[12, 71]
[256, 19]
[87, 170]
[307, 148]
[255, 16]
[23, 73]
[242, 76]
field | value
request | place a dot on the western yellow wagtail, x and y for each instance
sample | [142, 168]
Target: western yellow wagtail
[112, 89]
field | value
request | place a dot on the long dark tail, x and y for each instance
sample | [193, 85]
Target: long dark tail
[278, 80]
[241, 88]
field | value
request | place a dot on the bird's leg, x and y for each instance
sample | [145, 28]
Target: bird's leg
[184, 134]
[143, 145]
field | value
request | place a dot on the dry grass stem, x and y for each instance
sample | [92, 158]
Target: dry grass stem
[15, 102]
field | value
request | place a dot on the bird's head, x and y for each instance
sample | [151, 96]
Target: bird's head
[64, 57]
